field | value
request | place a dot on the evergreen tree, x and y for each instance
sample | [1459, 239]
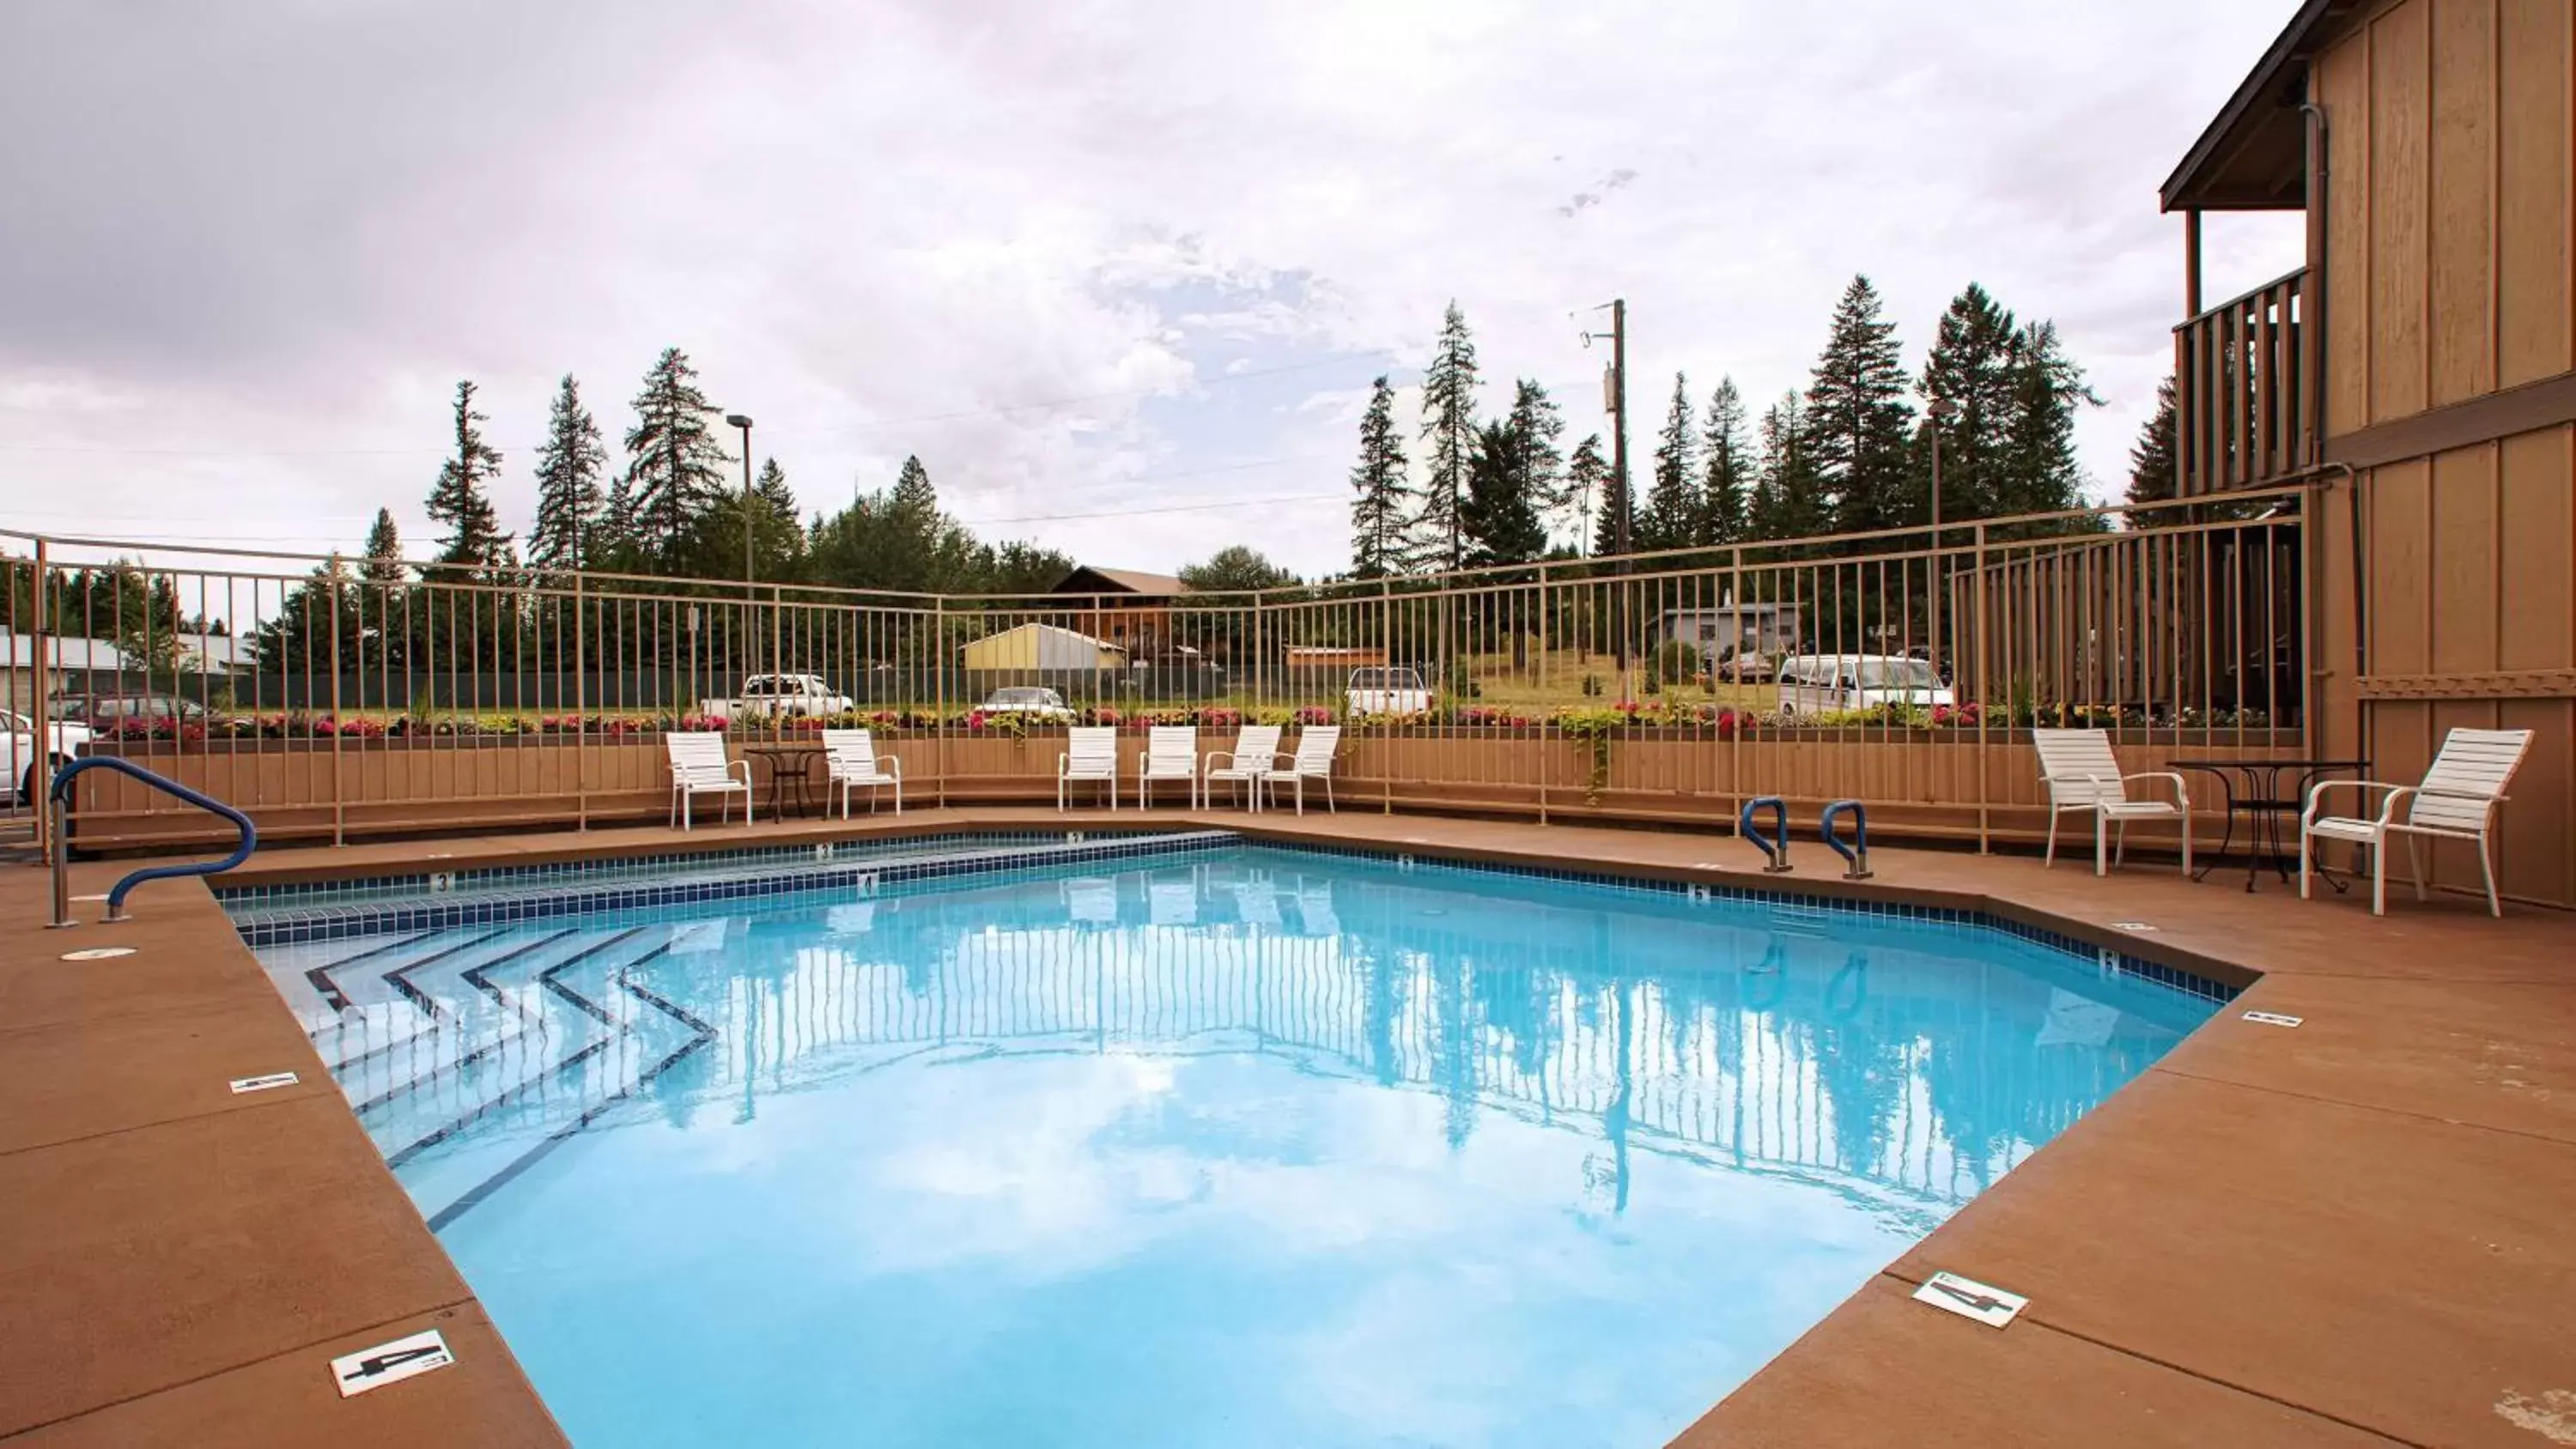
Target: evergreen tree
[1858, 426]
[1788, 499]
[899, 538]
[1538, 424]
[2041, 471]
[474, 540]
[569, 464]
[1378, 486]
[2153, 477]
[1587, 487]
[1972, 368]
[1235, 569]
[1671, 517]
[384, 551]
[675, 472]
[1449, 426]
[1499, 515]
[1728, 478]
[778, 539]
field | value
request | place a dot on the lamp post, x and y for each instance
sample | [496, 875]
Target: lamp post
[743, 421]
[1942, 412]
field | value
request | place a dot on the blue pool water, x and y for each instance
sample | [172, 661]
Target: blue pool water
[1238, 1146]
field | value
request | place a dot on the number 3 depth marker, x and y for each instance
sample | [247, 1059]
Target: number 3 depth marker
[1968, 1298]
[390, 1363]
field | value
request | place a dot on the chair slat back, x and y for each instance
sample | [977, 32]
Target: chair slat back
[1315, 747]
[851, 752]
[1093, 750]
[2467, 778]
[2068, 761]
[1172, 750]
[697, 756]
[1256, 747]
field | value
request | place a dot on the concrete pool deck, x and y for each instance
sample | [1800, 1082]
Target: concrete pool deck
[2358, 1231]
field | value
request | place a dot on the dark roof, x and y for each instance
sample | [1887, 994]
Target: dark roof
[2253, 157]
[1089, 580]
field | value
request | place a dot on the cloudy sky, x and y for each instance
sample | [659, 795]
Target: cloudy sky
[1120, 273]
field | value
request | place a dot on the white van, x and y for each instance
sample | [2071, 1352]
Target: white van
[1820, 683]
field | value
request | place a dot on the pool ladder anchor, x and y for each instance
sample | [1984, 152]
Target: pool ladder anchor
[1775, 846]
[1856, 854]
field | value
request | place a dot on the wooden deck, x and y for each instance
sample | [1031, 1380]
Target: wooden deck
[2357, 1231]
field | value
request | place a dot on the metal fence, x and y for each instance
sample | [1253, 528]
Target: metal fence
[1655, 686]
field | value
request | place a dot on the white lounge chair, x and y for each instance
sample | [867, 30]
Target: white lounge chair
[2082, 774]
[850, 760]
[699, 767]
[2457, 801]
[1316, 745]
[1090, 753]
[1256, 748]
[1171, 753]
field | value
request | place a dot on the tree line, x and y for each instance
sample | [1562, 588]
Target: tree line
[1849, 453]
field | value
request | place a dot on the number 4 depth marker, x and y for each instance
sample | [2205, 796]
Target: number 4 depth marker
[390, 1363]
[1968, 1298]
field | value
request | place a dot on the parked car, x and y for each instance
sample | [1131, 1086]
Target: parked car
[1028, 701]
[1736, 665]
[1820, 683]
[776, 696]
[100, 710]
[18, 751]
[1397, 691]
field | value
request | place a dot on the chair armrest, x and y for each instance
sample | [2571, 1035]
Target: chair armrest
[2396, 797]
[1063, 763]
[2317, 791]
[2182, 794]
[1207, 762]
[891, 764]
[742, 765]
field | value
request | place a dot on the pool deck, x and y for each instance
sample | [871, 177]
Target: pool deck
[2361, 1230]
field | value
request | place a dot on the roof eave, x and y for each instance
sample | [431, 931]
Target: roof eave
[2268, 96]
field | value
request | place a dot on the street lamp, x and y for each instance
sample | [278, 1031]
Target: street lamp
[743, 421]
[1942, 411]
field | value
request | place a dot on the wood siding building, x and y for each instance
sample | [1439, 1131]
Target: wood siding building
[2419, 373]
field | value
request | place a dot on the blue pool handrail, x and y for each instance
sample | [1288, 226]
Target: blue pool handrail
[61, 799]
[1855, 855]
[1774, 845]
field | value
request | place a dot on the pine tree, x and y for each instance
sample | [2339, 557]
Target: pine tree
[1859, 427]
[2040, 471]
[2152, 475]
[1538, 423]
[569, 464]
[778, 537]
[1728, 462]
[384, 551]
[1587, 485]
[1380, 493]
[1788, 501]
[1971, 368]
[675, 473]
[1449, 426]
[474, 538]
[1499, 515]
[1673, 506]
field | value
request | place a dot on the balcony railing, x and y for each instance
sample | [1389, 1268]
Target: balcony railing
[2246, 389]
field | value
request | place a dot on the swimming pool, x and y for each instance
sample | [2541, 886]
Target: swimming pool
[1218, 1143]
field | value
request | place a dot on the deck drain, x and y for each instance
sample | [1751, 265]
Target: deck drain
[97, 953]
[1969, 1298]
[264, 1083]
[2140, 926]
[390, 1363]
[2273, 1018]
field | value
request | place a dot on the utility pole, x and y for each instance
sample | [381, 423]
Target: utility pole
[1614, 390]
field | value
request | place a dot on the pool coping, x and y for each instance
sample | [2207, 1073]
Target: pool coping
[2173, 1316]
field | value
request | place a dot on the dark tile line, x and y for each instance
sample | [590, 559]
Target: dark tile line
[472, 976]
[338, 1000]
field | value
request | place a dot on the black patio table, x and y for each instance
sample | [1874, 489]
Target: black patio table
[2253, 790]
[788, 765]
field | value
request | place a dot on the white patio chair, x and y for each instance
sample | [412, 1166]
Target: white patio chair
[2457, 801]
[850, 760]
[1091, 753]
[1256, 748]
[2082, 774]
[699, 767]
[1171, 753]
[1316, 745]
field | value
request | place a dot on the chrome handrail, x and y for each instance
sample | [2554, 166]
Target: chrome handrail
[59, 798]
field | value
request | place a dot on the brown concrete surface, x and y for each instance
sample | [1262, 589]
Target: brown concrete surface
[2360, 1230]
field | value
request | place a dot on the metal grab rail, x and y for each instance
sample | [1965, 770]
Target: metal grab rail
[59, 798]
[1855, 855]
[1776, 845]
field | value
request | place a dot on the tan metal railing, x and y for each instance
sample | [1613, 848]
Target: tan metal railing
[330, 703]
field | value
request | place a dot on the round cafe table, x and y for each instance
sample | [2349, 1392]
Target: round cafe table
[2256, 793]
[788, 764]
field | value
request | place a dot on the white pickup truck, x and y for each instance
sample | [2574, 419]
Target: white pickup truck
[775, 696]
[1386, 692]
[18, 752]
